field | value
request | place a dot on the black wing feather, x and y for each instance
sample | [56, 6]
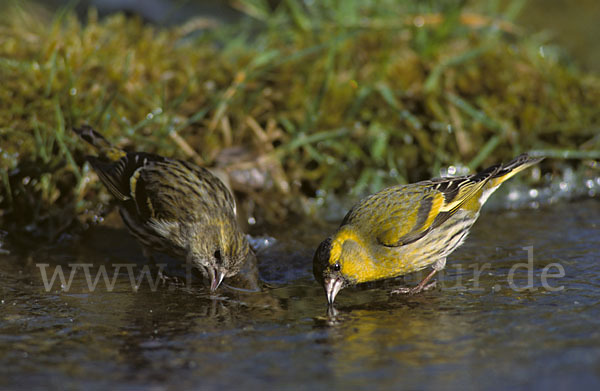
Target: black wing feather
[116, 175]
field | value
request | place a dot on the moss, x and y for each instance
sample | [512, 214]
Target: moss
[288, 102]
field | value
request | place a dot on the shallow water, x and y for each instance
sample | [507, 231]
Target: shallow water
[468, 333]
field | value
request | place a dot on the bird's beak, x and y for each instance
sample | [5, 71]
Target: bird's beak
[215, 278]
[332, 287]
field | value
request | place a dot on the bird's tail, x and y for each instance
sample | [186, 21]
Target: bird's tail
[512, 168]
[104, 147]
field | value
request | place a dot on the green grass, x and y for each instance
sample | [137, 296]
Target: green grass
[337, 97]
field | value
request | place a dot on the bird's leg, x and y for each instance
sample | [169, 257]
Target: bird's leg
[159, 274]
[423, 285]
[148, 255]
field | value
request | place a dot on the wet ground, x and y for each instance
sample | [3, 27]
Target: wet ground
[479, 329]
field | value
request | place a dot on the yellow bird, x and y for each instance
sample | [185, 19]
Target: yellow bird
[405, 228]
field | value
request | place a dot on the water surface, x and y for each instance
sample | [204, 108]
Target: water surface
[472, 332]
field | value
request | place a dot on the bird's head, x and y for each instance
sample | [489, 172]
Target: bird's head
[219, 251]
[340, 261]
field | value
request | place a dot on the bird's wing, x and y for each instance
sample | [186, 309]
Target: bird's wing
[175, 190]
[153, 187]
[117, 175]
[404, 214]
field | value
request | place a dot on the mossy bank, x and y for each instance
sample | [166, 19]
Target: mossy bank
[289, 103]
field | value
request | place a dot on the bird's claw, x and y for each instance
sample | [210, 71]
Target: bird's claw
[171, 280]
[415, 290]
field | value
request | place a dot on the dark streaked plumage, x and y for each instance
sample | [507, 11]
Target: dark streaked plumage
[173, 206]
[405, 228]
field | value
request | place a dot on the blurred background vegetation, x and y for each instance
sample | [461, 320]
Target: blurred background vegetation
[290, 101]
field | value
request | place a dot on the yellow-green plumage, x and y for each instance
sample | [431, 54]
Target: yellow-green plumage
[173, 206]
[405, 228]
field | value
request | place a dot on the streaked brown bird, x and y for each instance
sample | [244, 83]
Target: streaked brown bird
[405, 228]
[173, 207]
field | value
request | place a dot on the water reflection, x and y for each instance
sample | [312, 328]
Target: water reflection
[467, 333]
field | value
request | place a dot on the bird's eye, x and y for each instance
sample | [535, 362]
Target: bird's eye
[217, 255]
[336, 267]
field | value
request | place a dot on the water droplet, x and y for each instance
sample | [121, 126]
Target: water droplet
[419, 21]
[536, 173]
[563, 186]
[589, 183]
[149, 116]
[73, 91]
[533, 193]
[26, 180]
[251, 220]
[451, 170]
